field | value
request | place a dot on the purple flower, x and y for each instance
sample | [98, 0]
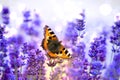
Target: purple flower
[113, 71]
[80, 22]
[98, 49]
[71, 32]
[26, 15]
[16, 40]
[30, 27]
[7, 73]
[5, 11]
[80, 25]
[74, 28]
[117, 61]
[35, 61]
[3, 45]
[37, 21]
[2, 31]
[78, 74]
[79, 50]
[5, 15]
[6, 19]
[3, 41]
[2, 57]
[95, 67]
[79, 63]
[114, 39]
[31, 31]
[16, 62]
[97, 54]
[8, 76]
[27, 47]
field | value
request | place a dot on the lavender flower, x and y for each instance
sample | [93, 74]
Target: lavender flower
[36, 20]
[80, 22]
[79, 70]
[2, 31]
[79, 50]
[113, 70]
[16, 62]
[31, 31]
[95, 68]
[3, 41]
[5, 15]
[115, 37]
[35, 61]
[27, 15]
[7, 74]
[79, 63]
[71, 32]
[3, 45]
[4, 64]
[98, 49]
[97, 54]
[16, 40]
[30, 25]
[74, 28]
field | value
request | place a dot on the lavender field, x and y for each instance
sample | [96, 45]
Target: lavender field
[90, 31]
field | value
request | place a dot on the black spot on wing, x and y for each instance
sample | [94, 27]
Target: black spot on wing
[52, 32]
[60, 52]
[49, 29]
[43, 44]
[54, 36]
[68, 55]
[63, 48]
[66, 51]
[56, 52]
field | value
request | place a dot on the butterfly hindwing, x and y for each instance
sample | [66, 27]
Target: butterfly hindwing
[63, 52]
[52, 46]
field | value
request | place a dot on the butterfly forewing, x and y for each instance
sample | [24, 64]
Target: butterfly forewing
[49, 34]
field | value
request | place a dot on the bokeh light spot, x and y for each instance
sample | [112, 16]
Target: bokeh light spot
[105, 9]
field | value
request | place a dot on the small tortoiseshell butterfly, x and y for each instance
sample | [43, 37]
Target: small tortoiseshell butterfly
[53, 46]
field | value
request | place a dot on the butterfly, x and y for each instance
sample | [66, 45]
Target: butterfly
[53, 46]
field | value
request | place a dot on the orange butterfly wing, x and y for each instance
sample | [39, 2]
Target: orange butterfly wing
[63, 52]
[49, 35]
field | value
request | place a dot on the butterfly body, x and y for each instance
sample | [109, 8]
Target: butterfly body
[53, 46]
